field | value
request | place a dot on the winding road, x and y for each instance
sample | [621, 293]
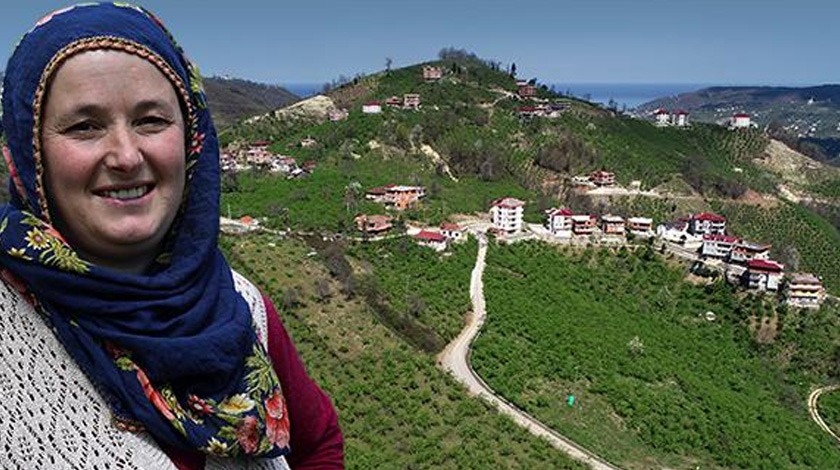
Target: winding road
[815, 412]
[455, 359]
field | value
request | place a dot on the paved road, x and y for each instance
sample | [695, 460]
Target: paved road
[455, 359]
[815, 412]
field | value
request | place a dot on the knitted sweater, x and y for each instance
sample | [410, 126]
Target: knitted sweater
[52, 417]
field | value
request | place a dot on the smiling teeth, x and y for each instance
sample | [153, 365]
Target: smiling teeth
[132, 193]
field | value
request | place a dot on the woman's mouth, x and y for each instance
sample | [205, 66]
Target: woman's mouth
[126, 194]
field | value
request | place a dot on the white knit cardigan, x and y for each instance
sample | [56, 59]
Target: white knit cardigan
[51, 415]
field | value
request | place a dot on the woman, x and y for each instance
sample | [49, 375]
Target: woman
[126, 339]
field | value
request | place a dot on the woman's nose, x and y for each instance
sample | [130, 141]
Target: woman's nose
[124, 154]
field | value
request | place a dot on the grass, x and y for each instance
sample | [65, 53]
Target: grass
[397, 409]
[657, 385]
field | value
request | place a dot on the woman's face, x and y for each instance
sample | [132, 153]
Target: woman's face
[113, 145]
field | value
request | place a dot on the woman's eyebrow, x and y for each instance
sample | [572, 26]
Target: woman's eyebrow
[154, 104]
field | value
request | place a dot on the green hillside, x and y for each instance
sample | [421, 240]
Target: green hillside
[370, 316]
[657, 384]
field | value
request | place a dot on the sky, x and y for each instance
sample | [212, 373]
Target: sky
[735, 42]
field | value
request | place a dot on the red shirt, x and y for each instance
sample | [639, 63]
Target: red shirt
[316, 439]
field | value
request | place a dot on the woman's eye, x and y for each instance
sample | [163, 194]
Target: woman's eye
[83, 127]
[153, 123]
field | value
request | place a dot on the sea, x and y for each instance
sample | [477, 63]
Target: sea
[625, 95]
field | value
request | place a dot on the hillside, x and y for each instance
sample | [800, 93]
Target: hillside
[232, 99]
[809, 114]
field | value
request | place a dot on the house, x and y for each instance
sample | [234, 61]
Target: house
[680, 118]
[582, 181]
[395, 196]
[257, 153]
[612, 225]
[525, 89]
[394, 102]
[554, 110]
[432, 73]
[677, 232]
[661, 117]
[411, 101]
[308, 142]
[373, 224]
[717, 245]
[506, 214]
[452, 232]
[433, 240]
[745, 251]
[526, 112]
[763, 274]
[804, 291]
[281, 164]
[372, 107]
[337, 114]
[559, 222]
[707, 223]
[602, 178]
[583, 224]
[640, 226]
[740, 121]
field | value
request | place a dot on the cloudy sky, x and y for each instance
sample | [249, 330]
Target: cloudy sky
[756, 42]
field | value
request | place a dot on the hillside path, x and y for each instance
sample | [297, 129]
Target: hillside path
[455, 359]
[815, 412]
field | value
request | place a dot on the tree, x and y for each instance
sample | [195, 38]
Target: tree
[513, 69]
[388, 62]
[322, 290]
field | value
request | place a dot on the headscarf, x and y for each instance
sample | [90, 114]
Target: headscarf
[174, 351]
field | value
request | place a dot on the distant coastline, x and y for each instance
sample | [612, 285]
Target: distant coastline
[624, 94]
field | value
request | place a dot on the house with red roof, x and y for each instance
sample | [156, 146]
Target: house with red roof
[506, 214]
[717, 245]
[740, 121]
[679, 118]
[763, 275]
[372, 107]
[661, 117]
[434, 240]
[559, 222]
[399, 197]
[707, 223]
[453, 232]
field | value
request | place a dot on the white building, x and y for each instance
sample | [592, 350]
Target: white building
[707, 223]
[434, 240]
[452, 232]
[763, 274]
[612, 225]
[559, 222]
[506, 214]
[740, 121]
[373, 107]
[804, 291]
[642, 226]
[745, 251]
[718, 246]
[661, 117]
[680, 118]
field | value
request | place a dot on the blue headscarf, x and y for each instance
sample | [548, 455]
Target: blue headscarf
[174, 350]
